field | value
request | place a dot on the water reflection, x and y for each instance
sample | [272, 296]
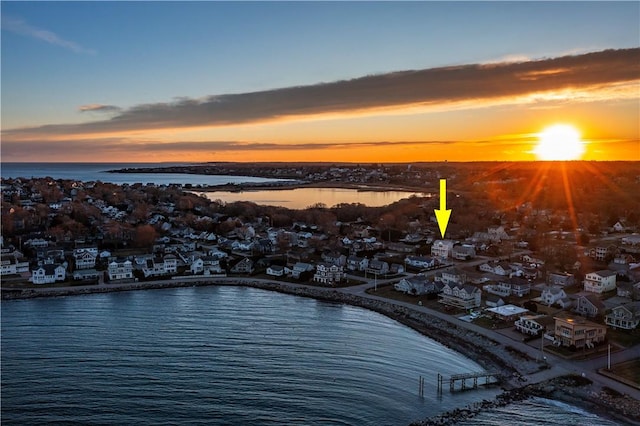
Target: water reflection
[301, 198]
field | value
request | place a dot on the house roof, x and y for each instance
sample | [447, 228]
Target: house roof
[605, 273]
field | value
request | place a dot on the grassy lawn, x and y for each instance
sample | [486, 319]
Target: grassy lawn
[629, 370]
[624, 338]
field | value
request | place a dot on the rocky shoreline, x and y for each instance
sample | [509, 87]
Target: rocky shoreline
[489, 354]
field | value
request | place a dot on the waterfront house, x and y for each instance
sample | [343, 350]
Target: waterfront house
[85, 274]
[589, 305]
[328, 273]
[507, 313]
[600, 281]
[300, 268]
[460, 296]
[120, 270]
[577, 332]
[14, 264]
[48, 273]
[206, 265]
[534, 324]
[625, 317]
[276, 270]
[244, 266]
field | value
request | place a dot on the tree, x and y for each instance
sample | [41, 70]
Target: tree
[145, 236]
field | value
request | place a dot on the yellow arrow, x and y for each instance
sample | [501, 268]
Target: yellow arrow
[442, 214]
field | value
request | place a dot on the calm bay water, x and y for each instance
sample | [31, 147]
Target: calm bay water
[225, 355]
[98, 171]
[301, 198]
[295, 198]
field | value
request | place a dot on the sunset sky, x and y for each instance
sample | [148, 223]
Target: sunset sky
[316, 81]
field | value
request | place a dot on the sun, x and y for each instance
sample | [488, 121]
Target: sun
[559, 142]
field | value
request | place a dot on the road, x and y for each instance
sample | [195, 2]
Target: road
[558, 366]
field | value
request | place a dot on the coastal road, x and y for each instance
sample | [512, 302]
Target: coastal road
[558, 366]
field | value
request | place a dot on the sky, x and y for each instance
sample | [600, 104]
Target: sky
[316, 81]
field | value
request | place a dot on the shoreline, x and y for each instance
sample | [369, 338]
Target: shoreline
[487, 353]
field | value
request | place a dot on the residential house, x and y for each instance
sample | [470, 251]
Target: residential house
[578, 332]
[562, 279]
[601, 253]
[355, 263]
[625, 317]
[463, 296]
[335, 258]
[493, 300]
[85, 274]
[378, 267]
[300, 268]
[600, 281]
[629, 290]
[120, 270]
[507, 313]
[48, 273]
[442, 249]
[503, 269]
[552, 294]
[631, 243]
[328, 273]
[418, 285]
[452, 276]
[85, 258]
[206, 265]
[421, 262]
[244, 266]
[497, 233]
[396, 269]
[516, 286]
[589, 305]
[463, 252]
[534, 325]
[14, 264]
[276, 270]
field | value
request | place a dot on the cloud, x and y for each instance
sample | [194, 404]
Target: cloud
[474, 83]
[99, 108]
[18, 26]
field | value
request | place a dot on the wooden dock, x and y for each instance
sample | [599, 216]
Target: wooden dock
[468, 380]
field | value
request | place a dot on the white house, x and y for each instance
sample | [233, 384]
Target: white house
[85, 258]
[452, 276]
[276, 270]
[552, 294]
[421, 262]
[442, 249]
[600, 281]
[328, 274]
[626, 317]
[48, 274]
[206, 265]
[14, 265]
[120, 270]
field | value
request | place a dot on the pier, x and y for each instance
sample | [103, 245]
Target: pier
[468, 380]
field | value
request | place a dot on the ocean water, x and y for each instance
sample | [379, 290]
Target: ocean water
[227, 356]
[99, 171]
